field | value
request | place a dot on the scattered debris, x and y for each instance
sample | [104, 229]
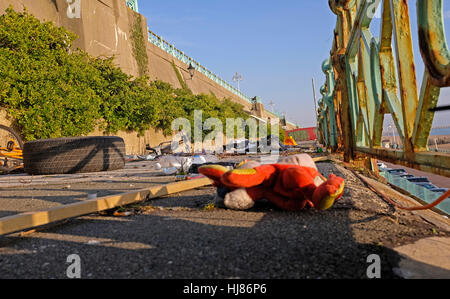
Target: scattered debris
[136, 158]
[229, 165]
[209, 207]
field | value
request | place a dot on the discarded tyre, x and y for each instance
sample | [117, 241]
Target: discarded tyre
[74, 155]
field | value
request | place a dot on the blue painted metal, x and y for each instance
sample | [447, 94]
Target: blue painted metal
[327, 92]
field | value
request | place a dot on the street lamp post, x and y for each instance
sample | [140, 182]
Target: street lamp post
[391, 126]
[191, 70]
[315, 101]
[271, 105]
[237, 78]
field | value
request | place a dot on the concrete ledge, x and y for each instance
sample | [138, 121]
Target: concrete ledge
[427, 258]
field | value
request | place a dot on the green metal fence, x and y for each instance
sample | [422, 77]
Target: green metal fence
[365, 81]
[133, 4]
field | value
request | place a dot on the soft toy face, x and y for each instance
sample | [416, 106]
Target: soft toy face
[289, 186]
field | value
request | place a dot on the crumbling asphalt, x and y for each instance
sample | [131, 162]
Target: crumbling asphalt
[184, 236]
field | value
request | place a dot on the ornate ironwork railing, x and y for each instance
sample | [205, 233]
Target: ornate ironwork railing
[180, 55]
[365, 81]
[133, 4]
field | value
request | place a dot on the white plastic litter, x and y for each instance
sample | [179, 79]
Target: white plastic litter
[173, 164]
[170, 170]
[199, 160]
[210, 158]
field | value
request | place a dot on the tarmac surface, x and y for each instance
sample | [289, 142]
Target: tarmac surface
[185, 236]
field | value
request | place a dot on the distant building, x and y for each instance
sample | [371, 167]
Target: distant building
[304, 134]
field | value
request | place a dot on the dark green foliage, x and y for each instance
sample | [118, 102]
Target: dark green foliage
[139, 49]
[48, 91]
[179, 77]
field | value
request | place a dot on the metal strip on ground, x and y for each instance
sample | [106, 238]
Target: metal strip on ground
[30, 220]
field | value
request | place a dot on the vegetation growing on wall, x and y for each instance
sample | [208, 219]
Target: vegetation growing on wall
[54, 92]
[179, 77]
[139, 49]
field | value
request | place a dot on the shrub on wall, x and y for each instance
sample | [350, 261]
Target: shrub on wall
[48, 91]
[179, 77]
[139, 50]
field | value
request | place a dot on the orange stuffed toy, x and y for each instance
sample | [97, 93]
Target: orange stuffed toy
[290, 187]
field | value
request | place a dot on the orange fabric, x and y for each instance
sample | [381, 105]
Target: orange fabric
[237, 179]
[214, 172]
[329, 188]
[284, 203]
[290, 187]
[290, 141]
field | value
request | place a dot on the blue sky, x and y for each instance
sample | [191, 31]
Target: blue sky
[277, 46]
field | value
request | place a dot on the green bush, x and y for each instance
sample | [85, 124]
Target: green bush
[54, 91]
[48, 91]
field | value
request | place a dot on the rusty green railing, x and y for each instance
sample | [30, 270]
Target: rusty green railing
[364, 81]
[133, 4]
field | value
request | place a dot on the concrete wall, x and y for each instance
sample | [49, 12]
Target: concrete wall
[160, 68]
[104, 29]
[135, 143]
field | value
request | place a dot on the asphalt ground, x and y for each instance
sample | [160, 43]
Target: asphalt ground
[24, 193]
[185, 236]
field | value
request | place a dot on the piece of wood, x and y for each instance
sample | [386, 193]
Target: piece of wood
[30, 220]
[321, 159]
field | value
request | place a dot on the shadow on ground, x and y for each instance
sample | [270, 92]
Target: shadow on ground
[180, 239]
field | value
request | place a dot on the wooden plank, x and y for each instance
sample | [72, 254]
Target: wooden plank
[29, 220]
[321, 159]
